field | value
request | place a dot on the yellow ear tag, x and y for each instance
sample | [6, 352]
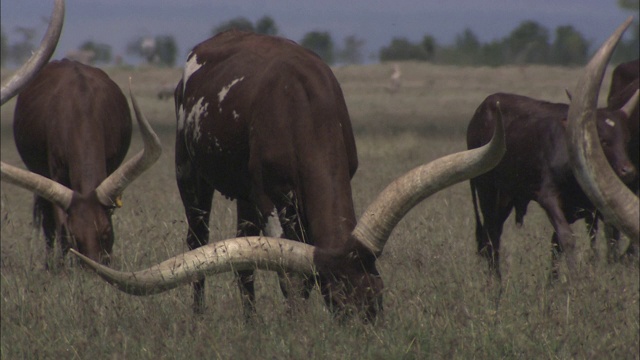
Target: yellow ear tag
[119, 201]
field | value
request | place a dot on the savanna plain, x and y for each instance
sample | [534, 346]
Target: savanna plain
[439, 300]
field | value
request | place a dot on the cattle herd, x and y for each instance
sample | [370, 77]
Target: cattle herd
[263, 121]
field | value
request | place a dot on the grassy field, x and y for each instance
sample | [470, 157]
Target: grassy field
[439, 302]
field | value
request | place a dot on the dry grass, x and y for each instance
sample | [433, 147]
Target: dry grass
[439, 302]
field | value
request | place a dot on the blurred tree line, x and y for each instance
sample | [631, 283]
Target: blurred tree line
[529, 43]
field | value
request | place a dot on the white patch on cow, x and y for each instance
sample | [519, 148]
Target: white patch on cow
[190, 67]
[183, 170]
[225, 90]
[217, 143]
[180, 118]
[236, 116]
[273, 227]
[610, 122]
[192, 121]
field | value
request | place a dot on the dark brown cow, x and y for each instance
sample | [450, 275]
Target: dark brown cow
[536, 167]
[625, 81]
[264, 121]
[72, 128]
[617, 203]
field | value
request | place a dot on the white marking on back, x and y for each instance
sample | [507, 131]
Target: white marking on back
[273, 227]
[189, 68]
[610, 122]
[225, 90]
[192, 121]
[181, 117]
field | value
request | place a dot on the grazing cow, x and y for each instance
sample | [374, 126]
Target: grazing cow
[72, 128]
[617, 203]
[536, 167]
[264, 121]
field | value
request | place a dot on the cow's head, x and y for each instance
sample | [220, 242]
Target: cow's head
[86, 218]
[614, 136]
[348, 276]
[87, 222]
[614, 200]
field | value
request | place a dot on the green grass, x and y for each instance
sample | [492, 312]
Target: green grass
[439, 302]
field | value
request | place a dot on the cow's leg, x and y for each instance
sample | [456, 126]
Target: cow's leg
[495, 210]
[43, 213]
[562, 239]
[197, 196]
[64, 237]
[249, 223]
[294, 286]
[591, 221]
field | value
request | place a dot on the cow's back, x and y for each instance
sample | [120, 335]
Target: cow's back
[72, 118]
[237, 85]
[534, 136]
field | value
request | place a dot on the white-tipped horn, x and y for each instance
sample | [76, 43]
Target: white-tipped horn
[627, 109]
[38, 184]
[114, 185]
[607, 192]
[39, 58]
[384, 213]
[222, 256]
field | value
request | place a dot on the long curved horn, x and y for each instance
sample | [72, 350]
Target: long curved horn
[594, 174]
[631, 104]
[115, 184]
[384, 213]
[39, 58]
[38, 184]
[223, 256]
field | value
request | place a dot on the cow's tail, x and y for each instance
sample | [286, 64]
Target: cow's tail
[474, 198]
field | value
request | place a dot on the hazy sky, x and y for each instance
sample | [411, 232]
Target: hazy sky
[117, 22]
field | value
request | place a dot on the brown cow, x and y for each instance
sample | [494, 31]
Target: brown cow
[72, 128]
[625, 81]
[617, 203]
[536, 167]
[264, 121]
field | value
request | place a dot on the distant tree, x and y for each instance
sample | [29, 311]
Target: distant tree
[569, 47]
[239, 23]
[351, 52]
[159, 50]
[528, 43]
[21, 51]
[266, 25]
[4, 47]
[166, 50]
[492, 54]
[402, 49]
[629, 47]
[629, 4]
[429, 45]
[143, 47]
[321, 43]
[102, 52]
[467, 48]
